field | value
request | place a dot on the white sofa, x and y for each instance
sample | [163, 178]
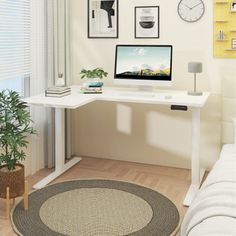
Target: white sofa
[213, 211]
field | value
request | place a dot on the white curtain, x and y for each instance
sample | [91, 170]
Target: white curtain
[50, 57]
[38, 80]
[59, 61]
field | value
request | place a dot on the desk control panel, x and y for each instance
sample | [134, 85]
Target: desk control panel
[178, 108]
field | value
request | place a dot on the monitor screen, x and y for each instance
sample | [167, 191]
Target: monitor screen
[143, 62]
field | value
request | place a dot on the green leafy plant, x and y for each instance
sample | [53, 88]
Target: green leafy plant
[95, 73]
[15, 125]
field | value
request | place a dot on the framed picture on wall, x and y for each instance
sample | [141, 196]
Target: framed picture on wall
[234, 43]
[233, 6]
[147, 23]
[102, 18]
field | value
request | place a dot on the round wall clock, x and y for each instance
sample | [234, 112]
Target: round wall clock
[191, 10]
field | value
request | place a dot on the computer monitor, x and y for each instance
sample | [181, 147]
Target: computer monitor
[146, 65]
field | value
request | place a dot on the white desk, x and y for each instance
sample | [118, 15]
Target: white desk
[76, 100]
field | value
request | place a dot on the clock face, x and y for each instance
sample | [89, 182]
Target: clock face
[191, 10]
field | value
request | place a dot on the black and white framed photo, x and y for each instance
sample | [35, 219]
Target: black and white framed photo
[234, 43]
[102, 18]
[233, 5]
[147, 24]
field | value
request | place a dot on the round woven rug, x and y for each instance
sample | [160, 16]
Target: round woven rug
[96, 207]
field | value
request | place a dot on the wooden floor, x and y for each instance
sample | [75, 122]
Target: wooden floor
[171, 182]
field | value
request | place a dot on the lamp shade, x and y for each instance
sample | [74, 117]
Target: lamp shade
[195, 67]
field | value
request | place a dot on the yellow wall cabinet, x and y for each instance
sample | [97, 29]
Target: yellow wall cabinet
[225, 28]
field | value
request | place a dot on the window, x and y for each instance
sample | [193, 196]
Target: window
[14, 44]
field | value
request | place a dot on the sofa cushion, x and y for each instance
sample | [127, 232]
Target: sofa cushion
[213, 227]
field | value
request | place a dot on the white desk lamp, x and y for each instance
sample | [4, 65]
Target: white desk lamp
[195, 67]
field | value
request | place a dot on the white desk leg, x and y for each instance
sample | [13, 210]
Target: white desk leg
[196, 173]
[60, 165]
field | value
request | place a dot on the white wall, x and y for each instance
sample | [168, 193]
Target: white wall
[154, 134]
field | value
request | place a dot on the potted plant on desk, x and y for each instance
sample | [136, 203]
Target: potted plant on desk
[93, 77]
[15, 125]
[95, 74]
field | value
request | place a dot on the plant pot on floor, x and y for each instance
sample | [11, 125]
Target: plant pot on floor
[13, 179]
[15, 126]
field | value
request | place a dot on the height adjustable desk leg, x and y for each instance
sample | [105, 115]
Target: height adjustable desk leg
[60, 165]
[196, 173]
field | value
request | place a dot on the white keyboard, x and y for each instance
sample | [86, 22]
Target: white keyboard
[138, 95]
[146, 95]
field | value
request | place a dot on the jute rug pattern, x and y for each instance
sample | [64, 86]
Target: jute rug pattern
[96, 207]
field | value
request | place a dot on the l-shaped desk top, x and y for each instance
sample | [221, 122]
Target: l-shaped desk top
[76, 99]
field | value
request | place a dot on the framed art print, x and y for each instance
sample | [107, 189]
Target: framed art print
[234, 43]
[233, 6]
[102, 18]
[146, 21]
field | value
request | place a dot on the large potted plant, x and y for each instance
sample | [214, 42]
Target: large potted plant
[15, 126]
